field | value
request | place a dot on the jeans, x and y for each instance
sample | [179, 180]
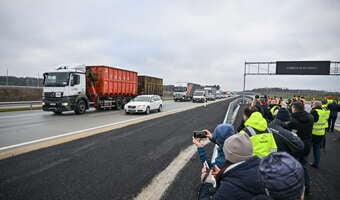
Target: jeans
[316, 154]
[331, 123]
[304, 163]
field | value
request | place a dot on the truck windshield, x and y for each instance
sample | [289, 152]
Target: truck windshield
[142, 99]
[198, 93]
[58, 79]
[180, 89]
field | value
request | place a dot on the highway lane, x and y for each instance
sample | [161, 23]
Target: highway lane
[112, 165]
[24, 126]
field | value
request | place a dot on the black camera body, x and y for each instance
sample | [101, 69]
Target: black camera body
[200, 134]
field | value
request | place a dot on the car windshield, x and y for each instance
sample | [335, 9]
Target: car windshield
[180, 89]
[142, 99]
[198, 93]
[58, 79]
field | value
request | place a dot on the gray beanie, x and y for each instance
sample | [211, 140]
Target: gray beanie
[238, 148]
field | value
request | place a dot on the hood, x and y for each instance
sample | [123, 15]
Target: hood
[245, 176]
[136, 103]
[222, 132]
[256, 121]
[302, 117]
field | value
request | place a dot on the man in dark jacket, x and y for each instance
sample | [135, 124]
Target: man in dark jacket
[334, 108]
[282, 176]
[239, 178]
[302, 122]
[286, 140]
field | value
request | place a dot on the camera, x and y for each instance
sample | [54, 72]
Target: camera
[200, 134]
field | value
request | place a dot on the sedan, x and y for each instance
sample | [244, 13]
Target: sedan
[144, 104]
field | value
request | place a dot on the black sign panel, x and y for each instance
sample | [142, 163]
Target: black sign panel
[303, 67]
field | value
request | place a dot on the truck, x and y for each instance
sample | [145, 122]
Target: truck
[78, 88]
[148, 85]
[211, 91]
[185, 91]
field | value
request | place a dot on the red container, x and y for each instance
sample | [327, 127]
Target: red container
[104, 81]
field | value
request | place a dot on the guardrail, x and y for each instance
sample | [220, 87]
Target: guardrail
[230, 117]
[20, 103]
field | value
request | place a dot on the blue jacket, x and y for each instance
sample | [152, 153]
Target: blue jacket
[219, 161]
[241, 182]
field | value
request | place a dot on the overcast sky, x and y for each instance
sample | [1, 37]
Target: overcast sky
[199, 41]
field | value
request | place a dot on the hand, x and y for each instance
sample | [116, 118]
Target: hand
[208, 133]
[215, 170]
[203, 172]
[197, 142]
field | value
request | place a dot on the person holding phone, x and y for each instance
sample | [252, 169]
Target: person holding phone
[220, 134]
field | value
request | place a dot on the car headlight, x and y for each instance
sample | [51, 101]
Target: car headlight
[141, 106]
[65, 104]
[43, 103]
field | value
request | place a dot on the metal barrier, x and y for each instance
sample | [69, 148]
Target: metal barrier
[20, 103]
[230, 117]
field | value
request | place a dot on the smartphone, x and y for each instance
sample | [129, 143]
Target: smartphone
[200, 134]
[206, 165]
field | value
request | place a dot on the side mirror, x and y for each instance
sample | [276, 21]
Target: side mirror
[72, 82]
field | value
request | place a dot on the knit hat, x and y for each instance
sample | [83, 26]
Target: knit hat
[282, 176]
[238, 148]
[283, 115]
[222, 132]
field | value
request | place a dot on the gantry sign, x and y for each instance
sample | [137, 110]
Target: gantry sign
[291, 68]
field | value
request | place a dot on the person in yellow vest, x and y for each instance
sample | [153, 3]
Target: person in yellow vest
[260, 135]
[326, 110]
[274, 107]
[319, 130]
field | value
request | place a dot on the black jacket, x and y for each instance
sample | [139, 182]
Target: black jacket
[240, 182]
[285, 140]
[334, 108]
[303, 123]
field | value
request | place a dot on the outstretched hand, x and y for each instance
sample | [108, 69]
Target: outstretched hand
[208, 133]
[197, 142]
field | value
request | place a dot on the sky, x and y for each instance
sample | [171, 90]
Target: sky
[205, 42]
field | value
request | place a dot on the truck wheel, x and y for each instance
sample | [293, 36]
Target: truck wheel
[147, 111]
[58, 112]
[118, 105]
[80, 107]
[160, 108]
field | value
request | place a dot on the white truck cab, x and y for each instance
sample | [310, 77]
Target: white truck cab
[65, 89]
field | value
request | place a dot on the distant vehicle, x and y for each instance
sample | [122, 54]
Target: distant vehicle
[211, 93]
[144, 104]
[199, 96]
[219, 95]
[150, 85]
[77, 88]
[185, 91]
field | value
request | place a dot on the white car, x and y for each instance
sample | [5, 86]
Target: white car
[144, 104]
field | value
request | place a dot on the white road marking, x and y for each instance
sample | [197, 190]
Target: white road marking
[89, 129]
[156, 189]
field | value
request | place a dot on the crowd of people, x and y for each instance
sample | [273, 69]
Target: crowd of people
[266, 157]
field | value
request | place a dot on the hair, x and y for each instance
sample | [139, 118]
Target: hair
[298, 106]
[324, 101]
[317, 103]
[257, 96]
[250, 110]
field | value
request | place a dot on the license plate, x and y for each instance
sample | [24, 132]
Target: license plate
[52, 104]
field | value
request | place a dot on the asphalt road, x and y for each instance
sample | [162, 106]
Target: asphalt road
[24, 126]
[112, 165]
[187, 183]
